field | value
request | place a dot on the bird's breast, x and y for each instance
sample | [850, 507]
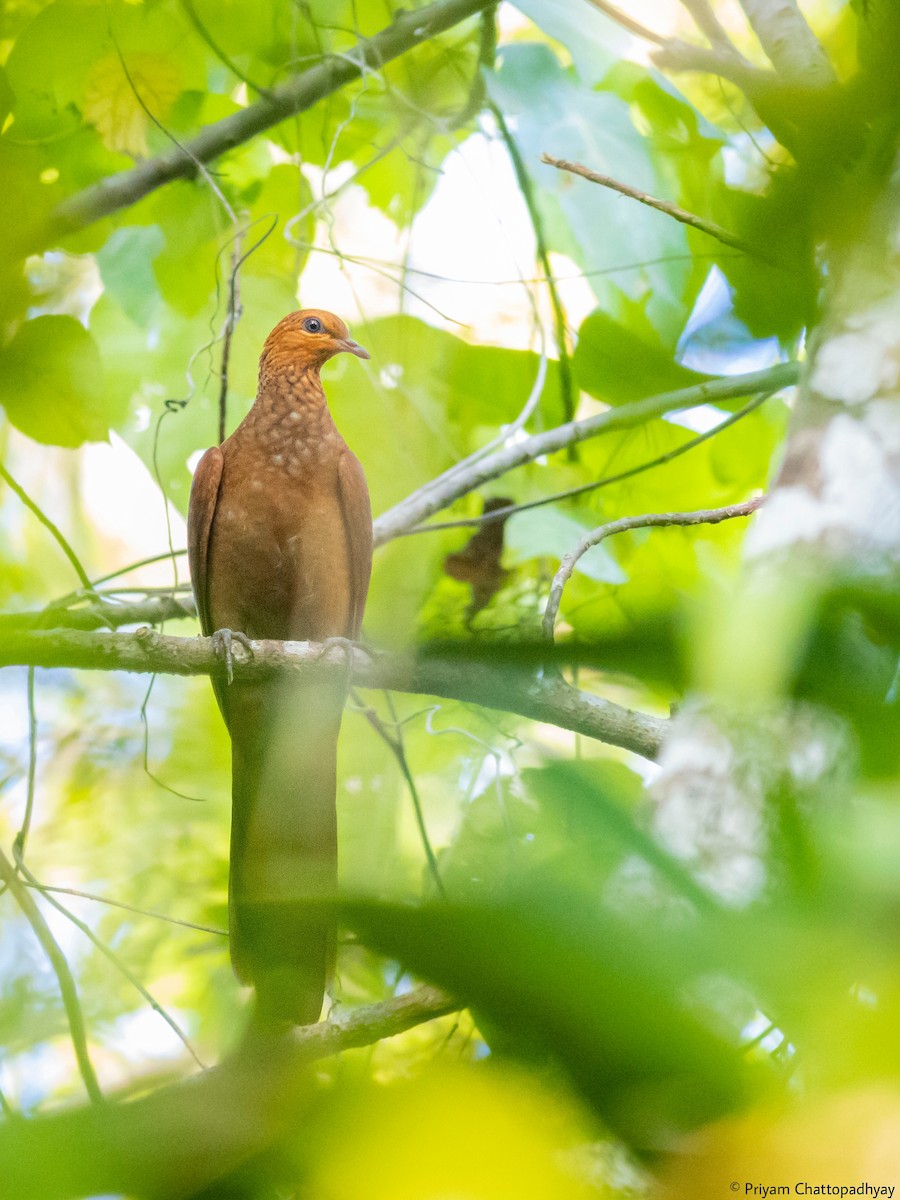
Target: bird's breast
[279, 541]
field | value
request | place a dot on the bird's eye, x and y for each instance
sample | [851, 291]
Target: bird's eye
[312, 325]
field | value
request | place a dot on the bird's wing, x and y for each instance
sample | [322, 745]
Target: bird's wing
[201, 510]
[357, 514]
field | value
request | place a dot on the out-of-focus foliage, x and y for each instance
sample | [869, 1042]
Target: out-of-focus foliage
[618, 1004]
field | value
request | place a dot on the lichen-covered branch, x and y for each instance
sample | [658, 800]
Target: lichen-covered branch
[439, 492]
[789, 43]
[508, 688]
[702, 516]
[707, 22]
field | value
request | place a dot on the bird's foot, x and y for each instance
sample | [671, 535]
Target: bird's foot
[346, 644]
[222, 641]
[349, 648]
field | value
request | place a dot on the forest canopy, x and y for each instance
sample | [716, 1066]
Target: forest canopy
[619, 844]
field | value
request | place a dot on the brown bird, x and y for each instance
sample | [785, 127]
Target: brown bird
[280, 546]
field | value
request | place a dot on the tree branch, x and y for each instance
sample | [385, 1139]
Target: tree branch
[502, 514]
[409, 29]
[704, 516]
[185, 1136]
[439, 493]
[512, 689]
[789, 43]
[49, 525]
[723, 59]
[719, 232]
[151, 610]
[624, 21]
[708, 23]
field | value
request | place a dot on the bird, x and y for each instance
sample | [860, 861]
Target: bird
[280, 546]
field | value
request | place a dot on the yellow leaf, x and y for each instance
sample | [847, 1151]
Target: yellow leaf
[842, 1140]
[453, 1135]
[117, 98]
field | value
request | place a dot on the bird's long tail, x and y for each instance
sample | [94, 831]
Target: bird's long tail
[283, 843]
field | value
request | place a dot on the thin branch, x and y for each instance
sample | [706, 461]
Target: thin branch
[757, 83]
[25, 828]
[185, 1136]
[708, 23]
[516, 689]
[628, 23]
[440, 492]
[142, 562]
[408, 30]
[183, 149]
[395, 744]
[152, 610]
[57, 959]
[559, 316]
[503, 514]
[110, 955]
[722, 59]
[790, 45]
[374, 1023]
[703, 516]
[133, 908]
[53, 529]
[217, 50]
[665, 206]
[232, 317]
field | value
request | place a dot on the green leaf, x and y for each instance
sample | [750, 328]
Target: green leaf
[192, 220]
[618, 362]
[48, 65]
[555, 973]
[646, 252]
[126, 268]
[7, 97]
[282, 192]
[771, 300]
[599, 800]
[548, 532]
[51, 383]
[590, 37]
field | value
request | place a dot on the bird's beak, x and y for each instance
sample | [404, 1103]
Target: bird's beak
[352, 347]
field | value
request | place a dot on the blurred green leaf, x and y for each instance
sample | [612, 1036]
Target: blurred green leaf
[51, 383]
[620, 362]
[548, 532]
[126, 268]
[560, 979]
[592, 39]
[646, 252]
[770, 300]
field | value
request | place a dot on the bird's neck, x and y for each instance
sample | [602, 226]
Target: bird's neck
[291, 399]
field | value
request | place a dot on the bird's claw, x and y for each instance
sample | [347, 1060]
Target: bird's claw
[346, 644]
[222, 641]
[349, 648]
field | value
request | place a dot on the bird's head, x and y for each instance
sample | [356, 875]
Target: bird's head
[308, 338]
